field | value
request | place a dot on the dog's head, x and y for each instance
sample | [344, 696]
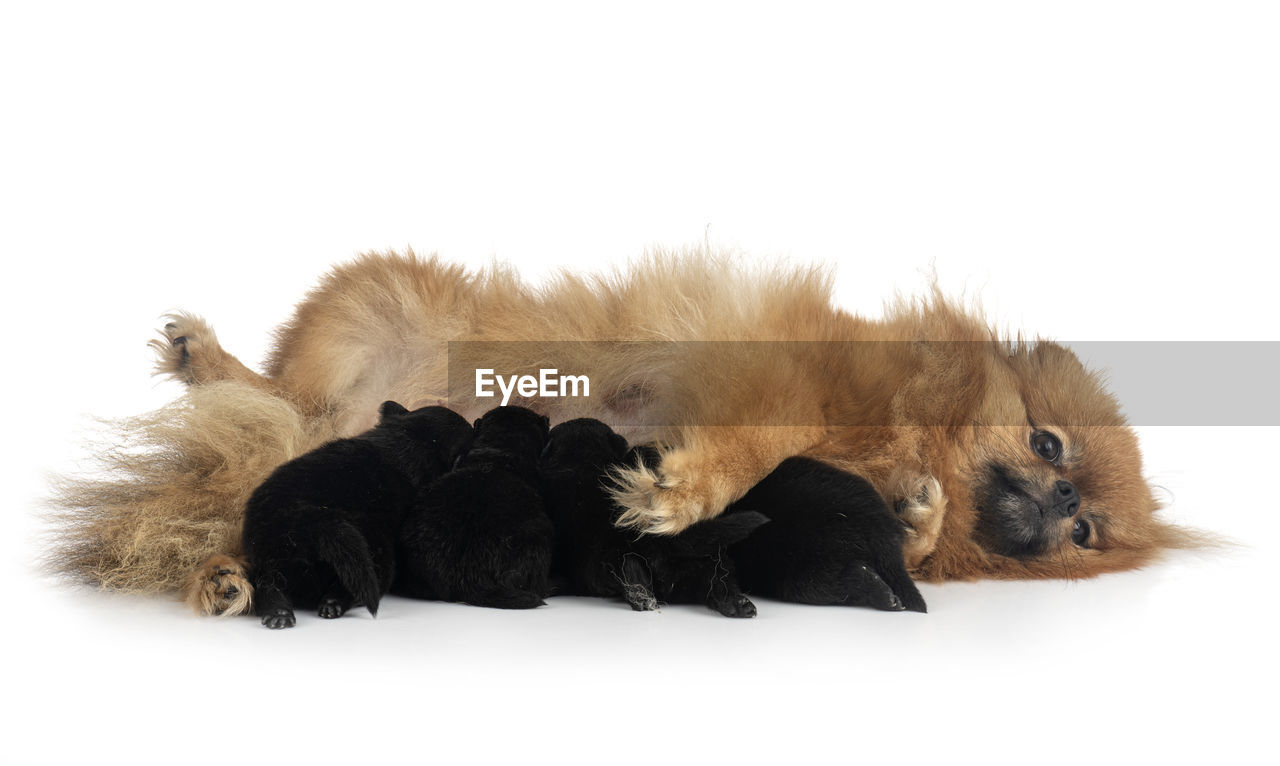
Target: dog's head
[1055, 473]
[516, 429]
[441, 432]
[582, 443]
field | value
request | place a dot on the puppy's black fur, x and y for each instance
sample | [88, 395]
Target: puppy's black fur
[595, 558]
[320, 531]
[480, 534]
[831, 539]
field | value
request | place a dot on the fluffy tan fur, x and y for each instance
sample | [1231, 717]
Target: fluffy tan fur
[171, 486]
[920, 420]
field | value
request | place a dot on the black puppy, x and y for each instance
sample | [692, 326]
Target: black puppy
[595, 558]
[831, 539]
[480, 534]
[320, 531]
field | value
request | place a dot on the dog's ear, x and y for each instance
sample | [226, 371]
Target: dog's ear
[390, 411]
[618, 443]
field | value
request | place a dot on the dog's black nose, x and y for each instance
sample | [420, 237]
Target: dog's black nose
[1066, 501]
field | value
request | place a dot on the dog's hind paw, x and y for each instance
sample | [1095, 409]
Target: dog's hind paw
[183, 344]
[866, 588]
[220, 586]
[331, 609]
[279, 618]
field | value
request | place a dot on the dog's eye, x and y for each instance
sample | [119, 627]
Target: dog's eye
[1080, 532]
[1046, 445]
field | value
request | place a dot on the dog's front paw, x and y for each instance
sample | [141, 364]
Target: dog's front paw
[331, 609]
[735, 606]
[220, 586]
[921, 505]
[666, 500]
[279, 618]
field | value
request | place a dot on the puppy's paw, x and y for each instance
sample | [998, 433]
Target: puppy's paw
[640, 598]
[331, 609]
[635, 582]
[668, 499]
[868, 589]
[921, 505]
[279, 618]
[220, 586]
[736, 606]
[186, 347]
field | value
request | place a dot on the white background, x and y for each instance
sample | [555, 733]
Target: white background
[1094, 171]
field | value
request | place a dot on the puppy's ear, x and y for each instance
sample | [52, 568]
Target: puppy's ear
[391, 410]
[618, 443]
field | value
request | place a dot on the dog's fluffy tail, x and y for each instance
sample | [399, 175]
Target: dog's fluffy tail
[171, 486]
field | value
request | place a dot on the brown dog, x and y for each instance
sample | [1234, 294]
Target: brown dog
[1007, 460]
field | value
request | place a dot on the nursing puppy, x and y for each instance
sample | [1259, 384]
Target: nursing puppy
[596, 558]
[480, 535]
[320, 532]
[831, 539]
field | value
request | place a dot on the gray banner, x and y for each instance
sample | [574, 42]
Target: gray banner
[797, 383]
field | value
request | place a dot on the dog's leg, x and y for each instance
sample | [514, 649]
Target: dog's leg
[220, 586]
[188, 351]
[333, 607]
[921, 505]
[888, 567]
[715, 466]
[728, 599]
[866, 588]
[637, 583]
[334, 603]
[272, 605]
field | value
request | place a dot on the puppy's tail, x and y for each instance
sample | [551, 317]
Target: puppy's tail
[342, 547]
[170, 486]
